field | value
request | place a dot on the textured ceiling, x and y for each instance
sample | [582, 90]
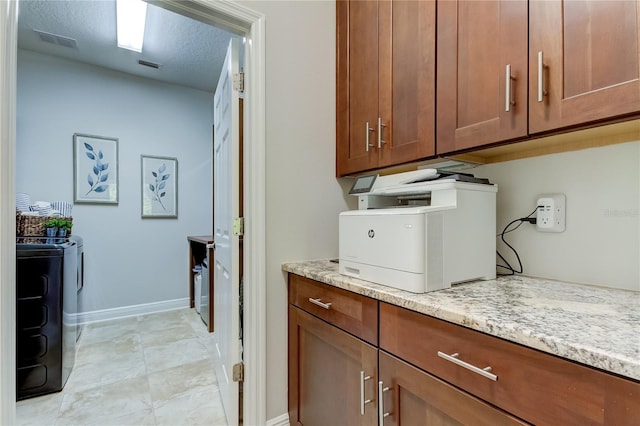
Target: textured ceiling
[190, 53]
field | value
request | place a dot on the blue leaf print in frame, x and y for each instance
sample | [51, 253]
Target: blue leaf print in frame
[95, 169]
[98, 170]
[159, 186]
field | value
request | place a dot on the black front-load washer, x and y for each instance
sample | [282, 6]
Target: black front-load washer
[46, 308]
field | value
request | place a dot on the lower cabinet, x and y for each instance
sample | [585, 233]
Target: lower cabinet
[534, 386]
[356, 361]
[413, 397]
[332, 374]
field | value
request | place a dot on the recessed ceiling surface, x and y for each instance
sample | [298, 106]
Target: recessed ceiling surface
[189, 53]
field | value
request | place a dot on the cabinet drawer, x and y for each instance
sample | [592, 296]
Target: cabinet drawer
[537, 387]
[417, 398]
[351, 312]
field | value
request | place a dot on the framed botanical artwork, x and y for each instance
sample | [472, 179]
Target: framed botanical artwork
[159, 187]
[95, 169]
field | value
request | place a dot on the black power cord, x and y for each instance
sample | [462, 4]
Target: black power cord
[506, 230]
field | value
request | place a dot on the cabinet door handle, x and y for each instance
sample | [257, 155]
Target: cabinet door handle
[381, 414]
[363, 401]
[486, 372]
[319, 303]
[541, 66]
[380, 126]
[366, 139]
[508, 89]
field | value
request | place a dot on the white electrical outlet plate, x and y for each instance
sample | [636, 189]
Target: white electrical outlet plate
[551, 213]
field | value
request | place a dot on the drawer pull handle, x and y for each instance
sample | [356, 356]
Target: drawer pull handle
[486, 372]
[319, 303]
[363, 401]
[381, 414]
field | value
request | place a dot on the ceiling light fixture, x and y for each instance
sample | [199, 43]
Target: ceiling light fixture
[131, 16]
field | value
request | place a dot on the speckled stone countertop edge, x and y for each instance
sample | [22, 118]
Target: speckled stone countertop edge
[608, 340]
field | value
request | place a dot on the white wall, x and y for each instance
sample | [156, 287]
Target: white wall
[303, 195]
[128, 260]
[601, 243]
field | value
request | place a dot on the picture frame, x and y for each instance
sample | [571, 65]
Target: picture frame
[95, 169]
[159, 189]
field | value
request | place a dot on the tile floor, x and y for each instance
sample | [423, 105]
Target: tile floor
[148, 370]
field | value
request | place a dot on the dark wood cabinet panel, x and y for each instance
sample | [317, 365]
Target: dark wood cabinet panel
[477, 42]
[352, 312]
[356, 84]
[385, 88]
[422, 387]
[534, 386]
[584, 57]
[417, 398]
[407, 80]
[578, 65]
[491, 85]
[324, 374]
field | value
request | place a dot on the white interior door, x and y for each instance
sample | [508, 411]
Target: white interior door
[226, 294]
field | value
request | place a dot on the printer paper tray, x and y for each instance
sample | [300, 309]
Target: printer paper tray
[401, 280]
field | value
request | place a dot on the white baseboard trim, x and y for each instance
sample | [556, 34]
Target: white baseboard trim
[131, 310]
[282, 420]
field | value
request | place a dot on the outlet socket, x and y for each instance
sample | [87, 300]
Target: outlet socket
[551, 213]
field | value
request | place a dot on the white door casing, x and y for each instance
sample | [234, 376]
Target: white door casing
[8, 47]
[226, 207]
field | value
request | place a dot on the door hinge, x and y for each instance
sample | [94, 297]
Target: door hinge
[238, 82]
[238, 372]
[238, 226]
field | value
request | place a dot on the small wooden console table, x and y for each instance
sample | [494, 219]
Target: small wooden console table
[197, 253]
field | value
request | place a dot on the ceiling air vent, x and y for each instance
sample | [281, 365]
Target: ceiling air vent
[149, 64]
[57, 39]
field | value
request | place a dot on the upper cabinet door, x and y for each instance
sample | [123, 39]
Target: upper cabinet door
[406, 131]
[583, 62]
[385, 83]
[357, 86]
[482, 73]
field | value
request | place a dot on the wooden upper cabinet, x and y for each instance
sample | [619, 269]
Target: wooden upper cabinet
[506, 70]
[407, 43]
[385, 83]
[584, 58]
[357, 85]
[478, 103]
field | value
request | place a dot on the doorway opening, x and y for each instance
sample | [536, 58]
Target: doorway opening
[233, 17]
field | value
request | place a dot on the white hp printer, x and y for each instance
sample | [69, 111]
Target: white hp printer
[420, 231]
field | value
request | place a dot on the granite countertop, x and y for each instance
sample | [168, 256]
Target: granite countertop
[596, 326]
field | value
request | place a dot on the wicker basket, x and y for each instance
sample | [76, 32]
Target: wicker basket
[32, 226]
